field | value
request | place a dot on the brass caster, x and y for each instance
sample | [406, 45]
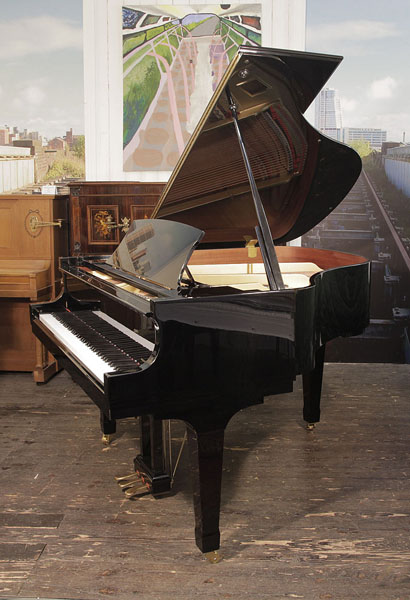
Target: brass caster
[107, 438]
[214, 557]
[310, 426]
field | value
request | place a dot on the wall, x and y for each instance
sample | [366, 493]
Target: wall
[398, 172]
[16, 173]
[397, 167]
[16, 168]
[44, 159]
[283, 26]
[14, 151]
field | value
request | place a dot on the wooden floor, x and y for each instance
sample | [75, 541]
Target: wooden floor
[315, 515]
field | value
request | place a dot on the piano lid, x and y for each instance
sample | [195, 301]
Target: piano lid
[301, 174]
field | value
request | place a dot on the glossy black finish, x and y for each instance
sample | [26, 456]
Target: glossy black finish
[300, 174]
[312, 388]
[206, 453]
[108, 426]
[309, 71]
[336, 169]
[216, 355]
[150, 464]
[240, 347]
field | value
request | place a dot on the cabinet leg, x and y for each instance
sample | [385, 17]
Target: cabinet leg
[46, 366]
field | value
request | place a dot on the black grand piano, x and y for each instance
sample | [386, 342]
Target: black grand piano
[203, 310]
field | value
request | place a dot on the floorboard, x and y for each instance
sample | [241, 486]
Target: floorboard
[321, 515]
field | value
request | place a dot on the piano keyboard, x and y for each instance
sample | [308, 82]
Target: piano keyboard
[101, 344]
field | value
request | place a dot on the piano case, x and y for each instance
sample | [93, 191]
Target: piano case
[235, 315]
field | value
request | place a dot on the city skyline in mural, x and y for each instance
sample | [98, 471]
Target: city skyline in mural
[173, 59]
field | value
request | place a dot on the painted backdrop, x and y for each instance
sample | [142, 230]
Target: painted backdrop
[173, 59]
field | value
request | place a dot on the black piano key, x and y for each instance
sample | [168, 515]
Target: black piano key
[114, 346]
[118, 338]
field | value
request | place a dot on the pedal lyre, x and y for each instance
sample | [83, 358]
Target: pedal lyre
[133, 485]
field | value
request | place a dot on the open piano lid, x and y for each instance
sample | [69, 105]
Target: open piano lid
[301, 174]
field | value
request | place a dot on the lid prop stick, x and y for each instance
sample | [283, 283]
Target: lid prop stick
[263, 231]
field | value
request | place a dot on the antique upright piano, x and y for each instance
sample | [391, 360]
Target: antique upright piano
[33, 235]
[228, 313]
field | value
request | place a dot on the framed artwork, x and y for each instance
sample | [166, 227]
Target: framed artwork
[173, 59]
[98, 219]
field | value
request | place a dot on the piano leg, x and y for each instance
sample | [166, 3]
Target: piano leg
[206, 453]
[150, 440]
[108, 427]
[312, 389]
[151, 463]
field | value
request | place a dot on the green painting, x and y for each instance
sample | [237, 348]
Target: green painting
[173, 59]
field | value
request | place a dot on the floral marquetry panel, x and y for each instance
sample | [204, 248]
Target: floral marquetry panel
[101, 220]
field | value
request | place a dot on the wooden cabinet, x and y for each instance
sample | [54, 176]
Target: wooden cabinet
[93, 202]
[33, 235]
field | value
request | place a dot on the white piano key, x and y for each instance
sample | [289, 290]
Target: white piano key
[93, 363]
[89, 359]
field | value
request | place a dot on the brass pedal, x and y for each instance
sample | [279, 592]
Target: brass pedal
[107, 438]
[120, 478]
[124, 485]
[140, 490]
